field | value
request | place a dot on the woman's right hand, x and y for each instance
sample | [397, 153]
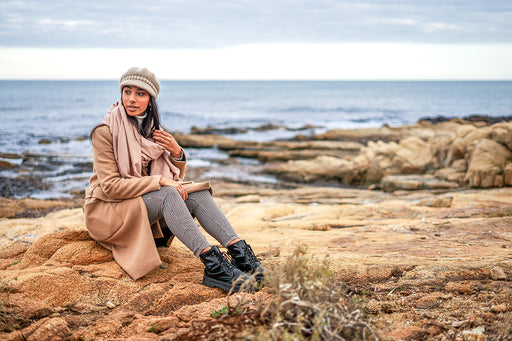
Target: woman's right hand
[171, 183]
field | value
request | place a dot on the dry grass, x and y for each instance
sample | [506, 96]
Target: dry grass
[305, 303]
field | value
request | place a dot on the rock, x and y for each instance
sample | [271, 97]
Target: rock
[476, 334]
[248, 199]
[508, 174]
[450, 174]
[430, 301]
[27, 207]
[206, 141]
[409, 333]
[498, 308]
[322, 168]
[502, 133]
[462, 287]
[52, 329]
[486, 161]
[413, 156]
[6, 165]
[497, 274]
[439, 201]
[392, 183]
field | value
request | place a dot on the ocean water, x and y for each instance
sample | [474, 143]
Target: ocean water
[64, 112]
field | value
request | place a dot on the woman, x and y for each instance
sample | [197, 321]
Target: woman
[137, 200]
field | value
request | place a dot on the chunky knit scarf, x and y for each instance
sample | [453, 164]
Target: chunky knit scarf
[133, 152]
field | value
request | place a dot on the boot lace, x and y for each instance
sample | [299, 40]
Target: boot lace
[250, 255]
[227, 262]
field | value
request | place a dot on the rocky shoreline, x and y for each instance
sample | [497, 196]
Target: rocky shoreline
[415, 222]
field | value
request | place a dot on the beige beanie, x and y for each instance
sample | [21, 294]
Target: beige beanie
[141, 78]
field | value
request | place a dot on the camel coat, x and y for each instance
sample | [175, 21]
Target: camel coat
[115, 214]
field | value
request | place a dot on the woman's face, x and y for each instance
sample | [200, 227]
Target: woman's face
[135, 100]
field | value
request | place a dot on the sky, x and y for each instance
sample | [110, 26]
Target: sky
[257, 39]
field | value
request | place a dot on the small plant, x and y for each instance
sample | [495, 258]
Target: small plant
[220, 312]
[224, 311]
[151, 329]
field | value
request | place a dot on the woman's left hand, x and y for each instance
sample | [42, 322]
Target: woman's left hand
[167, 141]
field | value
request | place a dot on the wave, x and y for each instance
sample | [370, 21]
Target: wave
[347, 110]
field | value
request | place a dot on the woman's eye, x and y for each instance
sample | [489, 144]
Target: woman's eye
[140, 94]
[126, 92]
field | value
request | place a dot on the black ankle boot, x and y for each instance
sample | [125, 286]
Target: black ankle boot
[243, 258]
[219, 273]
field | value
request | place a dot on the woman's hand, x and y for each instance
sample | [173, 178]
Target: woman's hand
[171, 183]
[167, 141]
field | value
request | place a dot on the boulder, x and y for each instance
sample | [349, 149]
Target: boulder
[502, 133]
[487, 164]
[414, 156]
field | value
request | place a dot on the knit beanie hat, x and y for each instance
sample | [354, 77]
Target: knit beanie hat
[141, 78]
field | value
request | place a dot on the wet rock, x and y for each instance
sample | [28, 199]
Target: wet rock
[6, 165]
[45, 141]
[21, 186]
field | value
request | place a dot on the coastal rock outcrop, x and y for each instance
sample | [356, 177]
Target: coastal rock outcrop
[453, 153]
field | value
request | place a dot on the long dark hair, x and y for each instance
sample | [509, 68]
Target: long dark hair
[150, 123]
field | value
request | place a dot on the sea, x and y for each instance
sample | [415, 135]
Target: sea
[44, 124]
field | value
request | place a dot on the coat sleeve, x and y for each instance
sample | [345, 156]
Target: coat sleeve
[105, 165]
[181, 163]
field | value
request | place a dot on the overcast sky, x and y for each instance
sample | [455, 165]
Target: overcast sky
[251, 39]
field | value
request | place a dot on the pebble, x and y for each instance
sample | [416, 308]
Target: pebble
[110, 305]
[497, 274]
[499, 308]
[476, 334]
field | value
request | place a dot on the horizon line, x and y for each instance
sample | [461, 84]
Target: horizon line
[269, 80]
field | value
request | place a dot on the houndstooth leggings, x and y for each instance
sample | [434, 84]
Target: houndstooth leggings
[168, 204]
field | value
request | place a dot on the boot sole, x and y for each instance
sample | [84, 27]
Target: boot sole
[213, 283]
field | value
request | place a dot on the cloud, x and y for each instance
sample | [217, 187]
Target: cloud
[222, 23]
